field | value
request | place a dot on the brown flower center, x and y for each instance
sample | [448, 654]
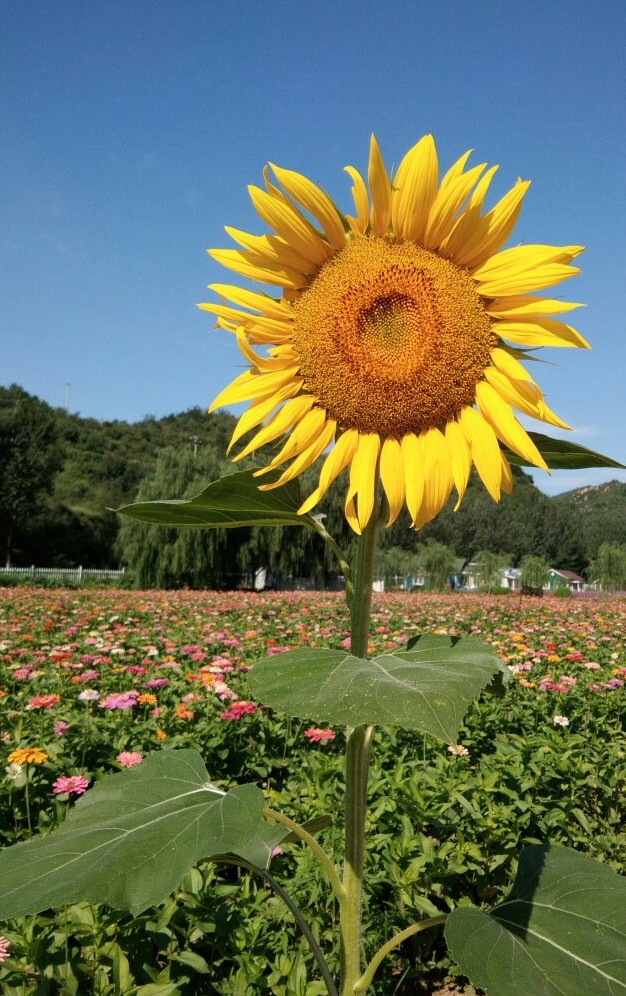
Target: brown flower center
[391, 337]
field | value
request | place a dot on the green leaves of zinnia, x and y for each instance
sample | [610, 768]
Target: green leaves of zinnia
[562, 930]
[426, 686]
[131, 838]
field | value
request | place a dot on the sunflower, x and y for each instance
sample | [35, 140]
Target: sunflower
[396, 341]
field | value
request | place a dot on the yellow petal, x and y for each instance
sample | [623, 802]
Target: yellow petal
[315, 201]
[292, 226]
[270, 251]
[351, 517]
[540, 332]
[528, 306]
[305, 459]
[547, 415]
[363, 476]
[469, 227]
[278, 360]
[258, 411]
[415, 189]
[242, 381]
[506, 426]
[507, 475]
[251, 385]
[361, 201]
[413, 460]
[460, 458]
[268, 306]
[336, 461]
[287, 416]
[446, 204]
[240, 262]
[259, 328]
[523, 396]
[504, 361]
[300, 438]
[380, 189]
[527, 257]
[437, 476]
[494, 228]
[525, 268]
[484, 449]
[455, 170]
[392, 476]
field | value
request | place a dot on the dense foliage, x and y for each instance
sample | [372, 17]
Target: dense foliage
[97, 680]
[62, 475]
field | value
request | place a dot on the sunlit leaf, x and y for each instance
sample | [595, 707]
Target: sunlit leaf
[232, 501]
[130, 839]
[561, 932]
[425, 686]
[560, 454]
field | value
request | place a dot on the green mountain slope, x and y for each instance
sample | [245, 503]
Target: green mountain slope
[601, 510]
[102, 465]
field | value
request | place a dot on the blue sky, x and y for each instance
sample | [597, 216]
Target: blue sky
[131, 130]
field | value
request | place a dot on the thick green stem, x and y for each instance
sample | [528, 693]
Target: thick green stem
[360, 609]
[357, 762]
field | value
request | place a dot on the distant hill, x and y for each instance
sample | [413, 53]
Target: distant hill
[602, 512]
[100, 467]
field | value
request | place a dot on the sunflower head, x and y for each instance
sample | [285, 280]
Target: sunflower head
[396, 339]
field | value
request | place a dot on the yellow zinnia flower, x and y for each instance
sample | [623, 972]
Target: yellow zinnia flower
[28, 755]
[395, 341]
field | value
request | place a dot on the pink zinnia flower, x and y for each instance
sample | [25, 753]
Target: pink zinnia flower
[70, 784]
[43, 701]
[22, 673]
[129, 758]
[561, 721]
[239, 709]
[612, 684]
[61, 727]
[4, 949]
[458, 750]
[119, 700]
[316, 735]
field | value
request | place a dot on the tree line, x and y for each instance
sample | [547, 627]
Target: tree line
[61, 477]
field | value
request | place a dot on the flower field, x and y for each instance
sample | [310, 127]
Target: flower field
[90, 682]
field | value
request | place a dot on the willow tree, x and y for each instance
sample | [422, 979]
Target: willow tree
[170, 558]
[609, 567]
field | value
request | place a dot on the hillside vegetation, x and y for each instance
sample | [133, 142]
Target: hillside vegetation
[61, 474]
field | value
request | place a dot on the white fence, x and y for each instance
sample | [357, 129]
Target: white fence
[62, 573]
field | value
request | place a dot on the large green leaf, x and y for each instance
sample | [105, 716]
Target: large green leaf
[560, 454]
[130, 839]
[426, 686]
[561, 931]
[232, 501]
